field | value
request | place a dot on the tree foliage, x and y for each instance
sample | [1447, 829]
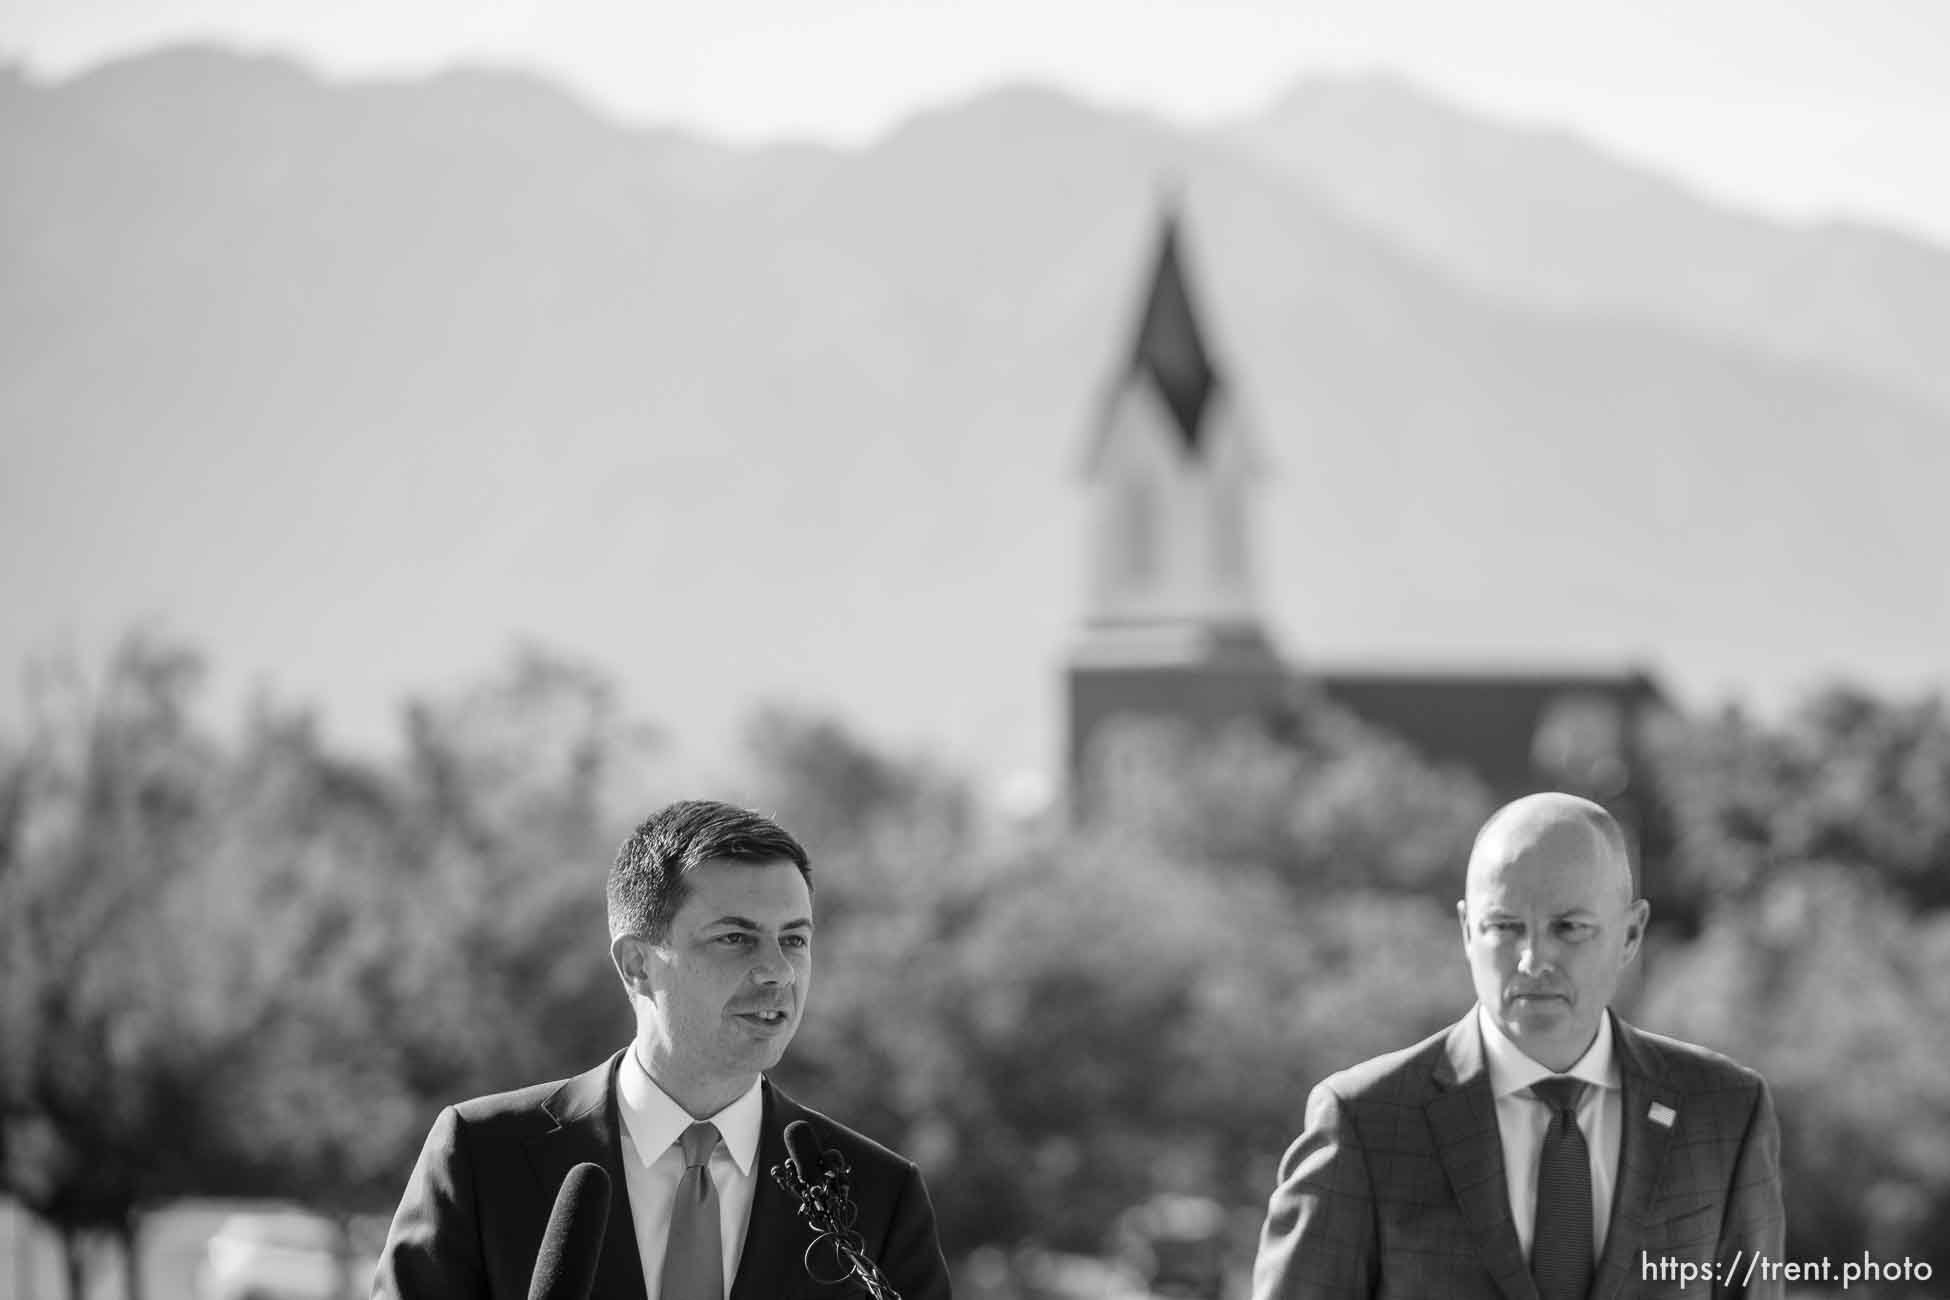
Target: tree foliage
[257, 965]
[1845, 778]
[110, 1078]
[1825, 982]
[1330, 804]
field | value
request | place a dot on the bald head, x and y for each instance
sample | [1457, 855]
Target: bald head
[1561, 832]
[1549, 922]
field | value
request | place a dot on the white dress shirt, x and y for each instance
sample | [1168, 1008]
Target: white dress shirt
[1522, 1119]
[653, 1163]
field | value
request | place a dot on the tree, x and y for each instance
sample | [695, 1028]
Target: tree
[307, 891]
[1328, 804]
[519, 789]
[889, 824]
[259, 970]
[108, 1086]
[1845, 778]
[1822, 981]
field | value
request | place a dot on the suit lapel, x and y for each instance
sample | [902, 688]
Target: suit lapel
[1462, 1118]
[588, 1128]
[775, 1241]
[1641, 1158]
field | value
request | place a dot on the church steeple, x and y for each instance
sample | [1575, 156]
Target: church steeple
[1170, 349]
[1172, 623]
[1170, 469]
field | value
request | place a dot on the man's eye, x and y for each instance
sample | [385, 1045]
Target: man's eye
[735, 938]
[1506, 927]
[797, 941]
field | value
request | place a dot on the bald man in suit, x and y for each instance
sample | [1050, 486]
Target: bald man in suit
[1541, 1148]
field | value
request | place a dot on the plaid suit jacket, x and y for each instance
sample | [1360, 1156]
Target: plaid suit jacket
[1396, 1189]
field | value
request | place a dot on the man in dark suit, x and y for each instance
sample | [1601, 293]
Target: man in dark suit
[1540, 1148]
[710, 919]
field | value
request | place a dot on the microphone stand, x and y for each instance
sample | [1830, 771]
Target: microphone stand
[828, 1208]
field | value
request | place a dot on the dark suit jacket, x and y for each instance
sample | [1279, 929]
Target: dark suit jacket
[1396, 1185]
[471, 1220]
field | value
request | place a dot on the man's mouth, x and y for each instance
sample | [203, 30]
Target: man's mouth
[770, 1019]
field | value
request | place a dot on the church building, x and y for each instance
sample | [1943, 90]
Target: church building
[1173, 626]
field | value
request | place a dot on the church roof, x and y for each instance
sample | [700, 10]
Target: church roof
[1485, 719]
[1170, 350]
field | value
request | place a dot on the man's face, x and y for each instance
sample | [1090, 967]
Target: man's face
[1549, 927]
[728, 983]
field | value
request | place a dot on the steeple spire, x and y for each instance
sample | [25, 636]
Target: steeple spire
[1171, 466]
[1170, 351]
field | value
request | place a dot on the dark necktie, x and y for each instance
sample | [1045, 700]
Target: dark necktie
[1561, 1247]
[693, 1256]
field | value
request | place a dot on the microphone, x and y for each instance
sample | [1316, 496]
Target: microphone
[817, 1177]
[565, 1268]
[802, 1145]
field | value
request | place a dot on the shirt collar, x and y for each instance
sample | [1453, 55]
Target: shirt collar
[1511, 1071]
[654, 1121]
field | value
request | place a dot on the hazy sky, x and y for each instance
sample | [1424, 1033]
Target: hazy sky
[1802, 108]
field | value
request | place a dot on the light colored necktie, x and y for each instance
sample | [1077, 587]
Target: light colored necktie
[1561, 1246]
[693, 1255]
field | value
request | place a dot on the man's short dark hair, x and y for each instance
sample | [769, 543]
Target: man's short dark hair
[647, 881]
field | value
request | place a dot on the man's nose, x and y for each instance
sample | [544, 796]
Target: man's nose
[770, 965]
[1539, 953]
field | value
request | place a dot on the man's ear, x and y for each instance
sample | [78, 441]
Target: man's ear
[1636, 917]
[634, 957]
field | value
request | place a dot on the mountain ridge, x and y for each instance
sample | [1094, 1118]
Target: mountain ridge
[1541, 216]
[358, 393]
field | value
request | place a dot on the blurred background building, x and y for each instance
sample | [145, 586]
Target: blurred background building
[1175, 628]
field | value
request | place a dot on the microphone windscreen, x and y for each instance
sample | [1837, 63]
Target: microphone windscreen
[802, 1144]
[565, 1269]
